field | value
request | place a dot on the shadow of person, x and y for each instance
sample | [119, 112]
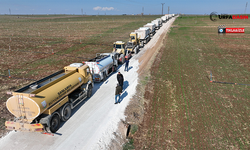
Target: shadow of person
[123, 96]
[125, 85]
[130, 68]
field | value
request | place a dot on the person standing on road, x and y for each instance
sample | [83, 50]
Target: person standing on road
[120, 79]
[126, 64]
[118, 91]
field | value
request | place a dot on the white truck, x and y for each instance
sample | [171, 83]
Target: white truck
[169, 16]
[152, 28]
[144, 35]
[160, 21]
[164, 18]
[103, 65]
[157, 24]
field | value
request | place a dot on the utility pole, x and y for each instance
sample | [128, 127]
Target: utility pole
[162, 8]
[82, 11]
[10, 11]
[142, 11]
[245, 8]
[168, 9]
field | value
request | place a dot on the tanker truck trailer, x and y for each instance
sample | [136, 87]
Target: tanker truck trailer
[42, 105]
[103, 65]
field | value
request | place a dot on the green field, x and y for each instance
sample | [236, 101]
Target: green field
[186, 111]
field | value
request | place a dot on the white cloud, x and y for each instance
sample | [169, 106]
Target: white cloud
[103, 8]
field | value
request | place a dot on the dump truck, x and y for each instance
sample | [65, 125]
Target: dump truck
[151, 26]
[42, 105]
[120, 48]
[157, 24]
[133, 45]
[144, 35]
[103, 65]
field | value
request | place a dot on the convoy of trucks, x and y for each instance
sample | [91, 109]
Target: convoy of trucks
[42, 105]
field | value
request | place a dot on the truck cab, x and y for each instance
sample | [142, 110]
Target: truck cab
[120, 48]
[133, 43]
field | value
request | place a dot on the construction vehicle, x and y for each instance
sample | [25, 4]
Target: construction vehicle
[123, 53]
[151, 26]
[42, 105]
[144, 35]
[103, 65]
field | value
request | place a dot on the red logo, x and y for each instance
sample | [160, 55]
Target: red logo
[235, 30]
[240, 17]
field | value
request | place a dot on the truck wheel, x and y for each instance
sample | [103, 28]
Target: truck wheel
[123, 58]
[66, 112]
[89, 91]
[114, 68]
[54, 123]
[136, 50]
[104, 77]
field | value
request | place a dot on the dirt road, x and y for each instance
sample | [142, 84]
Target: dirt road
[93, 123]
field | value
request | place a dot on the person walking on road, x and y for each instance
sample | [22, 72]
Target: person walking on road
[126, 64]
[118, 91]
[120, 79]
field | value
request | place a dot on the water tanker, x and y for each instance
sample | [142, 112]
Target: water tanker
[41, 105]
[103, 65]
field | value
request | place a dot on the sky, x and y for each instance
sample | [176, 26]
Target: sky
[119, 7]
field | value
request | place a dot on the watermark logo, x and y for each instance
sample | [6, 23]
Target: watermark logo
[214, 16]
[223, 29]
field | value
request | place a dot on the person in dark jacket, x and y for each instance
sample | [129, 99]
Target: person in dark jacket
[120, 79]
[126, 64]
[118, 91]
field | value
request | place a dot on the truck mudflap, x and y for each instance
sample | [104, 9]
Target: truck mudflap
[18, 126]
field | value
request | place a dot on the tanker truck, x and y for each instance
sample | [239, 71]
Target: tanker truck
[103, 65]
[42, 105]
[119, 47]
